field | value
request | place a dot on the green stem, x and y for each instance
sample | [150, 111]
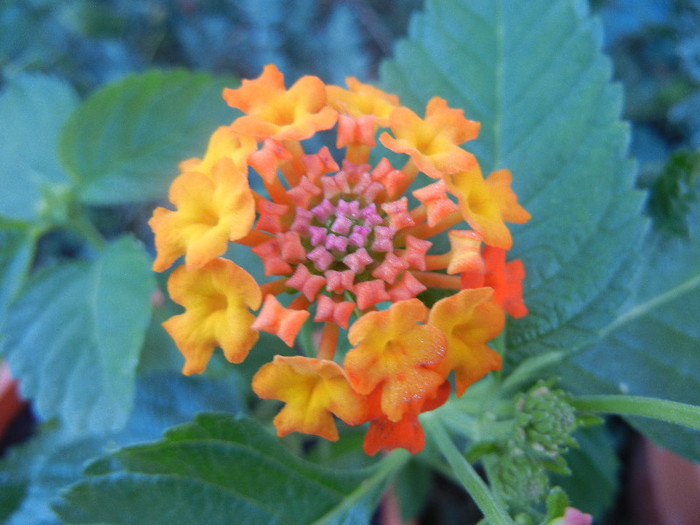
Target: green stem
[494, 513]
[662, 409]
[386, 469]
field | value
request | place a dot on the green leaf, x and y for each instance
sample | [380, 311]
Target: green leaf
[125, 141]
[16, 253]
[34, 109]
[532, 72]
[33, 474]
[652, 349]
[217, 469]
[74, 334]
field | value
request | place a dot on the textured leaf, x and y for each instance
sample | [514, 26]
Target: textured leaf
[653, 349]
[74, 334]
[53, 460]
[34, 109]
[215, 469]
[125, 141]
[532, 72]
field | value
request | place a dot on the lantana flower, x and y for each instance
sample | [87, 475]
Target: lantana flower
[345, 243]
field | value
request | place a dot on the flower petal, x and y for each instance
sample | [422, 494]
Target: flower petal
[469, 319]
[216, 298]
[275, 112]
[314, 390]
[393, 350]
[211, 211]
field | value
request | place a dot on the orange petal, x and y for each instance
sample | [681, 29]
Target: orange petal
[392, 349]
[469, 319]
[384, 434]
[465, 252]
[283, 322]
[506, 279]
[313, 390]
[275, 112]
[216, 299]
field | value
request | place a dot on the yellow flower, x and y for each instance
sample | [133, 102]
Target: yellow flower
[361, 100]
[488, 204]
[216, 298]
[314, 390]
[469, 319]
[433, 142]
[211, 211]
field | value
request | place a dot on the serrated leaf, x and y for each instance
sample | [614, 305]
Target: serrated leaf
[74, 334]
[34, 109]
[54, 459]
[532, 72]
[215, 470]
[125, 141]
[652, 349]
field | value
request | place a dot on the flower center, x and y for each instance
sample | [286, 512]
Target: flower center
[342, 233]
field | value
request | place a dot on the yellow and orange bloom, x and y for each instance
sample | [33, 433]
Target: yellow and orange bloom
[313, 390]
[468, 320]
[217, 299]
[342, 246]
[396, 353]
[433, 142]
[211, 211]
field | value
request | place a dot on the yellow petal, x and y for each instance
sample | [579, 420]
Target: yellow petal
[216, 299]
[469, 319]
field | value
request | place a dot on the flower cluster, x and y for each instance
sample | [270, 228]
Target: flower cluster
[346, 244]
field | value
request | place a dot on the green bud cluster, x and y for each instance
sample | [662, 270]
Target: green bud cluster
[546, 420]
[520, 478]
[543, 423]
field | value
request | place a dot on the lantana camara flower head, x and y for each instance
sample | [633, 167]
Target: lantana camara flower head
[349, 239]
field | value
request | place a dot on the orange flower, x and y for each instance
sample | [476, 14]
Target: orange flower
[506, 279]
[211, 211]
[384, 434]
[394, 351]
[216, 298]
[275, 112]
[469, 319]
[433, 143]
[314, 390]
[488, 204]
